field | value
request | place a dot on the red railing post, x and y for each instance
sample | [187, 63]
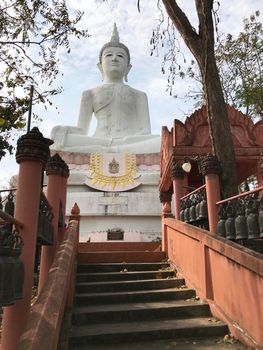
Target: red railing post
[210, 168]
[32, 154]
[57, 172]
[74, 215]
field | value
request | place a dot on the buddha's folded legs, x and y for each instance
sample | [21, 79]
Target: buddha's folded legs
[133, 144]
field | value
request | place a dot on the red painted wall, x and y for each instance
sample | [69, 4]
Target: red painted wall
[228, 275]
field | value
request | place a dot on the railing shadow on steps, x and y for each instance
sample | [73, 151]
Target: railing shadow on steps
[44, 324]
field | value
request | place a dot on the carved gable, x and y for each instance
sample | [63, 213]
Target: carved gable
[195, 131]
[193, 138]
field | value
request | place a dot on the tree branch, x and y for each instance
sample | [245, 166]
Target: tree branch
[183, 25]
[204, 10]
[27, 56]
[20, 42]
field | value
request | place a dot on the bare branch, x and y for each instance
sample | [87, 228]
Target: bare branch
[182, 24]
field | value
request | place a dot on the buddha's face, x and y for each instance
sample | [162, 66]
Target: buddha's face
[114, 63]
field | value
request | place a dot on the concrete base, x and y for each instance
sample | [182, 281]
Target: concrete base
[136, 212]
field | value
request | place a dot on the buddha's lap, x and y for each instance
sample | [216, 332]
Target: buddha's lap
[82, 140]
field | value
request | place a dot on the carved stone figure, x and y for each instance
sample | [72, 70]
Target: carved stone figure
[123, 122]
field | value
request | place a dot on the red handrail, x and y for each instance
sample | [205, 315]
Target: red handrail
[240, 195]
[50, 305]
[196, 190]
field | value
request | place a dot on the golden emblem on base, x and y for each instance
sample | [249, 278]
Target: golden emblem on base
[114, 166]
[113, 172]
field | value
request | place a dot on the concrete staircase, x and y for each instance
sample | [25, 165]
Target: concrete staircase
[125, 301]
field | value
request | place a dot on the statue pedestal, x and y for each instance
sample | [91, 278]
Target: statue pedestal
[132, 205]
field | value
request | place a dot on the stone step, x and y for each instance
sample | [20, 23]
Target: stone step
[139, 311]
[204, 343]
[82, 336]
[124, 275]
[123, 302]
[120, 257]
[117, 267]
[133, 296]
[87, 247]
[100, 287]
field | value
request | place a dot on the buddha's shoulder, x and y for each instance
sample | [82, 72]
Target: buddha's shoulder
[109, 88]
[97, 90]
[137, 94]
[90, 92]
[135, 91]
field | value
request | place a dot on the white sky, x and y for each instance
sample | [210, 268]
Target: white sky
[135, 29]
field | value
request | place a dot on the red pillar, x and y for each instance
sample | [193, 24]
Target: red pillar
[57, 172]
[32, 154]
[178, 176]
[64, 182]
[210, 168]
[260, 172]
[165, 199]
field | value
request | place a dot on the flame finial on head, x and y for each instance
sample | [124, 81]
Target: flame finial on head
[115, 38]
[114, 42]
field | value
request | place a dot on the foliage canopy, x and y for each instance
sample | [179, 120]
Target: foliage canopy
[31, 35]
[240, 63]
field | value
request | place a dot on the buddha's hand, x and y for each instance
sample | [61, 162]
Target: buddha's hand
[59, 135]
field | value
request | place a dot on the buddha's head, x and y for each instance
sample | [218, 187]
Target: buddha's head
[114, 59]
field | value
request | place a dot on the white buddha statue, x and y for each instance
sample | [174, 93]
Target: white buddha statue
[123, 122]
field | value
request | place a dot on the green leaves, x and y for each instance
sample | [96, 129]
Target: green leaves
[240, 63]
[2, 122]
[31, 32]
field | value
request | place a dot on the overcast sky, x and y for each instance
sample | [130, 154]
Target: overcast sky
[135, 29]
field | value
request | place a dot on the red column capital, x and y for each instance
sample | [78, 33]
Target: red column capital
[57, 166]
[33, 146]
